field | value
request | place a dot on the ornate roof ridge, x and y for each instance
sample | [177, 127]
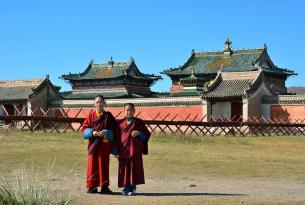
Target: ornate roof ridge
[228, 85]
[122, 63]
[220, 52]
[25, 83]
[240, 74]
[91, 65]
[284, 99]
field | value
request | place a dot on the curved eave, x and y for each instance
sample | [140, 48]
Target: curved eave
[115, 77]
[7, 100]
[280, 72]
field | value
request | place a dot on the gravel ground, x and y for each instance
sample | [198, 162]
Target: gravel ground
[198, 190]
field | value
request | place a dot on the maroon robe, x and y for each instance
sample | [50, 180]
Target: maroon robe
[130, 150]
[99, 151]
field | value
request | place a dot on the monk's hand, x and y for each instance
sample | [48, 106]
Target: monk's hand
[135, 133]
[95, 133]
[101, 134]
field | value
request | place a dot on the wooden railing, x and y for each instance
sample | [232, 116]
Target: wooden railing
[221, 126]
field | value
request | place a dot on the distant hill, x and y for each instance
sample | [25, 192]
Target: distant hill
[297, 89]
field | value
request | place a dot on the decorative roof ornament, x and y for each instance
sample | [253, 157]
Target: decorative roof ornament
[111, 62]
[193, 51]
[131, 59]
[228, 49]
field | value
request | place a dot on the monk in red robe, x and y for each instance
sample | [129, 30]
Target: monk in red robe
[132, 144]
[101, 130]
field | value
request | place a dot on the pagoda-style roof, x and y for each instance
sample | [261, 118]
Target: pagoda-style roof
[22, 90]
[234, 85]
[228, 60]
[111, 70]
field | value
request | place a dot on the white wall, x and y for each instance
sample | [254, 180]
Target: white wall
[221, 109]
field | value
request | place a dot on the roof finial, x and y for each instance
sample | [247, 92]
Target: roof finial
[265, 46]
[131, 59]
[193, 51]
[228, 49]
[228, 43]
[111, 62]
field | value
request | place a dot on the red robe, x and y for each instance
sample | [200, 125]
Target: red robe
[99, 151]
[130, 150]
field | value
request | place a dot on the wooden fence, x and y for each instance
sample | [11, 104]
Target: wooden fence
[44, 120]
[215, 127]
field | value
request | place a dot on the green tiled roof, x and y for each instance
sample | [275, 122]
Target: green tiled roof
[229, 89]
[110, 70]
[236, 61]
[21, 90]
[18, 89]
[15, 93]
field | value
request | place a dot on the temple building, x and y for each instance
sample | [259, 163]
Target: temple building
[202, 68]
[20, 97]
[121, 82]
[232, 83]
[112, 80]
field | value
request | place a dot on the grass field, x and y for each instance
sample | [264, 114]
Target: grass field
[178, 169]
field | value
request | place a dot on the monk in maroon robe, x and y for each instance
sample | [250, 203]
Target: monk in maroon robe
[101, 130]
[132, 144]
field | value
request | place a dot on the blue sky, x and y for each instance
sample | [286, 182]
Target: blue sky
[60, 36]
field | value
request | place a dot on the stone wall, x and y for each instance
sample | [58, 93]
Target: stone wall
[189, 108]
[286, 107]
[288, 112]
[146, 113]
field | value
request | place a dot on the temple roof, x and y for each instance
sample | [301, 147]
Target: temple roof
[110, 70]
[228, 60]
[229, 86]
[71, 95]
[108, 95]
[18, 90]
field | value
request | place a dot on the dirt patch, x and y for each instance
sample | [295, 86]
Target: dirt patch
[198, 190]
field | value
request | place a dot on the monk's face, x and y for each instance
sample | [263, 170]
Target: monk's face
[129, 111]
[99, 104]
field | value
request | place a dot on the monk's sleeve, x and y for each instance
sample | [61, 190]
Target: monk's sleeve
[143, 129]
[116, 135]
[87, 128]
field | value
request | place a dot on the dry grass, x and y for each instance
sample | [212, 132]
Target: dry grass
[234, 157]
